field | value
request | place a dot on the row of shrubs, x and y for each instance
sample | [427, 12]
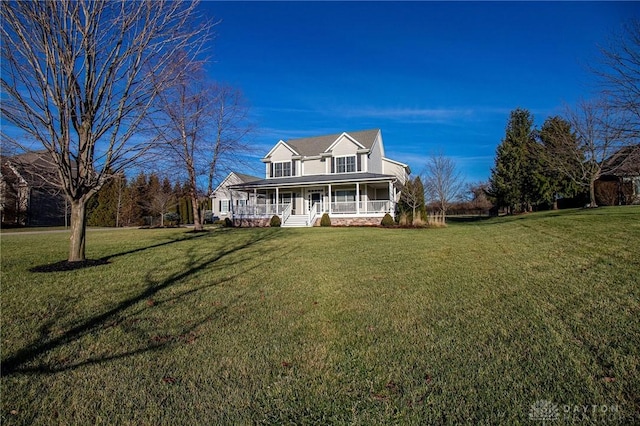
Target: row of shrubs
[325, 220]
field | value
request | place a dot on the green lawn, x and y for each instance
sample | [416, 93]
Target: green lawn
[473, 324]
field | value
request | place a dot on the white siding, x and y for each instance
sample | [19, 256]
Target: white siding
[344, 147]
[375, 157]
[391, 168]
[224, 193]
[314, 167]
[281, 153]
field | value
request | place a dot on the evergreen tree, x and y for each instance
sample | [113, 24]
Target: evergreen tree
[513, 178]
[162, 198]
[153, 188]
[555, 134]
[106, 203]
[166, 186]
[422, 208]
[134, 201]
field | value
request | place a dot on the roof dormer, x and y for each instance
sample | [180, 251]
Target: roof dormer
[280, 152]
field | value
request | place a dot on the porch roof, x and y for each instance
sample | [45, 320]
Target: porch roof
[336, 178]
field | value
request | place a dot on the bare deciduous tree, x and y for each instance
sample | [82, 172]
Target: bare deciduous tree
[619, 77]
[77, 78]
[200, 127]
[443, 182]
[412, 196]
[230, 117]
[160, 203]
[181, 122]
[599, 132]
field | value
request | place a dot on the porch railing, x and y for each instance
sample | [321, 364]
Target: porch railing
[377, 206]
[343, 207]
[261, 209]
[337, 207]
[314, 211]
[286, 213]
[374, 206]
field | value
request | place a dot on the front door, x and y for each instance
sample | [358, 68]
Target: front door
[315, 198]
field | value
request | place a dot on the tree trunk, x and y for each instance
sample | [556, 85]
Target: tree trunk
[197, 223]
[555, 204]
[592, 194]
[78, 231]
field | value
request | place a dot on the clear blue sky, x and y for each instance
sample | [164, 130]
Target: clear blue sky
[433, 76]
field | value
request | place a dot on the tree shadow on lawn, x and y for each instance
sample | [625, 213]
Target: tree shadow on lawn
[244, 251]
[65, 265]
[468, 219]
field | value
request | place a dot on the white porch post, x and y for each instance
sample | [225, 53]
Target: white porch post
[306, 202]
[231, 209]
[255, 201]
[357, 197]
[330, 199]
[392, 196]
[277, 200]
[366, 197]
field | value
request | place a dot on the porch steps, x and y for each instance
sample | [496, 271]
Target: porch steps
[297, 221]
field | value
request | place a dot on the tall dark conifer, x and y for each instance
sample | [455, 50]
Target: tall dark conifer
[511, 181]
[106, 203]
[555, 136]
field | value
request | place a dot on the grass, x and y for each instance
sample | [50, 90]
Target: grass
[472, 324]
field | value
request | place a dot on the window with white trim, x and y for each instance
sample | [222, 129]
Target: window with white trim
[224, 206]
[345, 164]
[282, 169]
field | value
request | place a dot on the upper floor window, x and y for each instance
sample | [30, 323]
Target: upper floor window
[345, 164]
[282, 169]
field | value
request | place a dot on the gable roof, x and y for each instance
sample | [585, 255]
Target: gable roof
[318, 144]
[282, 143]
[35, 169]
[625, 162]
[244, 178]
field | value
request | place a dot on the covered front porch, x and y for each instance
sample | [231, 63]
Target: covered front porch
[304, 204]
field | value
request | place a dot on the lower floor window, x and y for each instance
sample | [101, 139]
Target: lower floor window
[344, 196]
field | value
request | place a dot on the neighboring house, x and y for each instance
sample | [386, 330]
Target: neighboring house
[223, 198]
[345, 175]
[620, 180]
[28, 193]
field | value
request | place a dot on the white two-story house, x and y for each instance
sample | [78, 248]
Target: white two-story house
[345, 175]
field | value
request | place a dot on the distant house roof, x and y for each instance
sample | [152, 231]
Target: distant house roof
[36, 169]
[625, 162]
[318, 144]
[246, 178]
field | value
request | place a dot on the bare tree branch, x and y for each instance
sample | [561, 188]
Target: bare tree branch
[443, 182]
[599, 131]
[619, 77]
[79, 77]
